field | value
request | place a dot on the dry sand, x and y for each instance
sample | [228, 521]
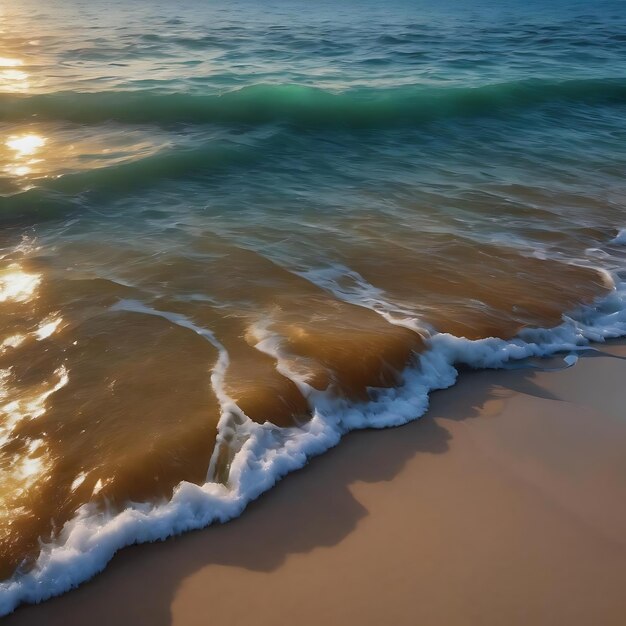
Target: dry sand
[505, 505]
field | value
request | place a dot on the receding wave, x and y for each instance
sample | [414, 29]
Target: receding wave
[90, 539]
[53, 196]
[310, 107]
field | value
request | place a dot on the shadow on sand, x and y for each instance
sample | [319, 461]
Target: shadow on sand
[272, 528]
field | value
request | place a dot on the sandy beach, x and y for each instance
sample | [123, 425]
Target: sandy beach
[234, 232]
[505, 504]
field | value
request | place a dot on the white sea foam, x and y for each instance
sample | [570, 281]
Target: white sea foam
[231, 416]
[620, 238]
[267, 453]
[349, 286]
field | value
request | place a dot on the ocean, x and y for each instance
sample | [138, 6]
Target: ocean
[233, 231]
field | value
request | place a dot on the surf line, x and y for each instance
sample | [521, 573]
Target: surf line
[231, 415]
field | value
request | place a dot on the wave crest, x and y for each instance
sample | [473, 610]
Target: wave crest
[308, 106]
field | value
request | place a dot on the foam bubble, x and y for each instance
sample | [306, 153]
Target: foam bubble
[620, 238]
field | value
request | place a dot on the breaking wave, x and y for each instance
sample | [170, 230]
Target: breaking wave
[310, 107]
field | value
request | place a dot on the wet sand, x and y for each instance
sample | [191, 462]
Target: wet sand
[505, 504]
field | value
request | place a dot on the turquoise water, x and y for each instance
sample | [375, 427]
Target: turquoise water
[205, 92]
[232, 232]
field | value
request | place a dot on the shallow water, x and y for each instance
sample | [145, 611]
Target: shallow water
[230, 227]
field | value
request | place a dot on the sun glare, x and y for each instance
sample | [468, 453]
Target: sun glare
[17, 285]
[12, 76]
[25, 145]
[6, 62]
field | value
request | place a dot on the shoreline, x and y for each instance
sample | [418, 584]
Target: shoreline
[503, 504]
